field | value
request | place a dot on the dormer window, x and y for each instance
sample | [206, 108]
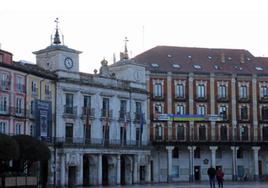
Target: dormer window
[155, 65]
[197, 66]
[259, 68]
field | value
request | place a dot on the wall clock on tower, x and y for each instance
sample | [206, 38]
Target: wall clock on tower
[68, 62]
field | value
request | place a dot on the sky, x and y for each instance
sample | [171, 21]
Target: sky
[98, 27]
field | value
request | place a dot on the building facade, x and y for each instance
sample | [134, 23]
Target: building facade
[101, 133]
[227, 89]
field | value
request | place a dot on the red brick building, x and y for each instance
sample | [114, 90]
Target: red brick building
[231, 83]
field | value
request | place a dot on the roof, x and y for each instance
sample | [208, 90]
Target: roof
[30, 69]
[202, 60]
[54, 47]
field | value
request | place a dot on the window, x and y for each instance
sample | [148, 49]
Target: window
[197, 153]
[69, 103]
[87, 129]
[176, 171]
[47, 90]
[158, 108]
[138, 136]
[223, 112]
[18, 128]
[222, 92]
[2, 127]
[180, 132]
[264, 92]
[32, 130]
[19, 105]
[105, 107]
[201, 109]
[138, 111]
[34, 88]
[264, 113]
[223, 133]
[180, 91]
[69, 132]
[202, 132]
[243, 92]
[157, 90]
[158, 132]
[244, 133]
[180, 109]
[244, 113]
[123, 109]
[123, 135]
[19, 84]
[201, 91]
[5, 81]
[32, 107]
[175, 152]
[3, 104]
[265, 133]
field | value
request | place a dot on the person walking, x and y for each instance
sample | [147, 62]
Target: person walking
[219, 176]
[211, 174]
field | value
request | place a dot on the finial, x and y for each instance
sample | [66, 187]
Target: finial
[57, 36]
[126, 51]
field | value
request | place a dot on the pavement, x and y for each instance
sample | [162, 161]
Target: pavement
[194, 185]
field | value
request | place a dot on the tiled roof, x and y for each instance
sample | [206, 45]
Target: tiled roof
[201, 60]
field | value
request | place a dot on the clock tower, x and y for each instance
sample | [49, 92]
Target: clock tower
[58, 57]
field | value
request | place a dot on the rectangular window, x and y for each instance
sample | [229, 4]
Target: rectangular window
[123, 109]
[69, 132]
[223, 132]
[180, 91]
[18, 128]
[19, 84]
[158, 132]
[201, 92]
[244, 113]
[47, 90]
[158, 90]
[201, 110]
[243, 92]
[105, 107]
[2, 127]
[180, 132]
[69, 103]
[158, 109]
[244, 133]
[180, 109]
[19, 105]
[223, 112]
[5, 81]
[202, 132]
[34, 87]
[3, 104]
[222, 92]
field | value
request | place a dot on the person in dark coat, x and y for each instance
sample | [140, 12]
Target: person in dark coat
[211, 174]
[219, 176]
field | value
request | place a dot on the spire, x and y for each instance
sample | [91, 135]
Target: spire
[126, 51]
[57, 36]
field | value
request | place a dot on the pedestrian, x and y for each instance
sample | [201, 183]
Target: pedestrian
[219, 176]
[211, 174]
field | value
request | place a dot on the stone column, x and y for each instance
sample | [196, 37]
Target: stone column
[191, 162]
[233, 98]
[62, 170]
[80, 170]
[234, 162]
[100, 169]
[169, 163]
[256, 162]
[135, 169]
[118, 170]
[213, 155]
[254, 106]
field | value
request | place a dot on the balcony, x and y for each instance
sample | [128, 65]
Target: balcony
[87, 111]
[222, 99]
[264, 99]
[105, 113]
[157, 97]
[70, 111]
[124, 116]
[243, 99]
[201, 99]
[99, 143]
[179, 98]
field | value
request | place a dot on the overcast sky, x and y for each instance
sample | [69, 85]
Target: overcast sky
[98, 27]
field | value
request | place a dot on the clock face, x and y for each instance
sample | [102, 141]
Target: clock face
[68, 62]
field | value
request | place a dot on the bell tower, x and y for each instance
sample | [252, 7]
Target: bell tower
[58, 57]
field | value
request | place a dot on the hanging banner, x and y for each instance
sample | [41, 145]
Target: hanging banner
[187, 117]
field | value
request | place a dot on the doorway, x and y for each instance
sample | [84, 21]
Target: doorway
[105, 169]
[197, 173]
[123, 167]
[142, 173]
[85, 170]
[71, 176]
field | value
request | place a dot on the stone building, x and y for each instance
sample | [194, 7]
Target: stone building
[101, 133]
[207, 107]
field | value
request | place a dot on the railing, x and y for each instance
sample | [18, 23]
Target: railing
[88, 111]
[106, 113]
[99, 142]
[123, 115]
[137, 118]
[158, 97]
[70, 110]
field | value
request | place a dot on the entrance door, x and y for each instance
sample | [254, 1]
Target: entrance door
[85, 170]
[142, 173]
[71, 176]
[197, 173]
[123, 167]
[105, 169]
